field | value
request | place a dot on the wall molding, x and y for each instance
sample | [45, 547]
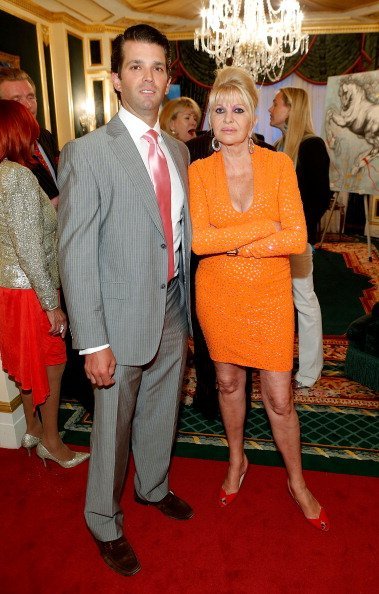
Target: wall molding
[312, 26]
[10, 407]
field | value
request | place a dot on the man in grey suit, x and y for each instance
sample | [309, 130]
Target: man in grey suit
[129, 315]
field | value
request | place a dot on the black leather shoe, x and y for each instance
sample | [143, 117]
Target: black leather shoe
[171, 506]
[119, 555]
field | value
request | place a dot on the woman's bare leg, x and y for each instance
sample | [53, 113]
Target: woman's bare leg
[278, 400]
[49, 413]
[33, 423]
[231, 381]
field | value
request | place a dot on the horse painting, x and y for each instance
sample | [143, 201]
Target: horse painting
[352, 131]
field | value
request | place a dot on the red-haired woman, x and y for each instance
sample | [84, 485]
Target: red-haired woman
[32, 324]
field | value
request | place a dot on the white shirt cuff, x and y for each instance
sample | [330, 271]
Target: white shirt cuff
[94, 349]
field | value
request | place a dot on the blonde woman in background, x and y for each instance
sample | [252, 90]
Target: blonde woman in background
[180, 118]
[290, 112]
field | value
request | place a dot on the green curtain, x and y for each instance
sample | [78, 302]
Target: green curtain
[328, 55]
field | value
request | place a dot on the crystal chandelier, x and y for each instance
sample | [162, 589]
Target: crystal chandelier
[252, 34]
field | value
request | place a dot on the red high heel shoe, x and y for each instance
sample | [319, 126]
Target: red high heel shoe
[321, 523]
[227, 498]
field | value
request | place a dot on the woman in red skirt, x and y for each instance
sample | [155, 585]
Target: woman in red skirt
[32, 324]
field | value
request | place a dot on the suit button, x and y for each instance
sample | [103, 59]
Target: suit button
[163, 246]
[163, 286]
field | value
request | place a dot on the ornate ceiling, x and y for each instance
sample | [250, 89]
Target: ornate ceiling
[179, 18]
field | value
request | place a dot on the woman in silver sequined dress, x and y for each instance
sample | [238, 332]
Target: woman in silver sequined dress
[32, 324]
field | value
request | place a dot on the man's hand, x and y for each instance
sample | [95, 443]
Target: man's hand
[100, 367]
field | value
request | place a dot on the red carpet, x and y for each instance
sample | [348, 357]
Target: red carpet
[260, 545]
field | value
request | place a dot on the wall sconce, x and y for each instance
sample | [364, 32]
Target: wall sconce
[87, 117]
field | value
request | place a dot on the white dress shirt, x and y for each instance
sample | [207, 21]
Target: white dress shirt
[48, 162]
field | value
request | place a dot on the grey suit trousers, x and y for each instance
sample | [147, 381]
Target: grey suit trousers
[142, 405]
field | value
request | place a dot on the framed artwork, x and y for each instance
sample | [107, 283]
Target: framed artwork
[9, 60]
[98, 99]
[351, 132]
[95, 52]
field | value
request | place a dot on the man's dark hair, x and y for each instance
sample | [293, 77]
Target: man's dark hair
[142, 33]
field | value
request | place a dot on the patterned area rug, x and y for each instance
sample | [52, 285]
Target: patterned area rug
[356, 258]
[339, 417]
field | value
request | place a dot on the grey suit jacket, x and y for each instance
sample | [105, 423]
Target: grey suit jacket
[112, 259]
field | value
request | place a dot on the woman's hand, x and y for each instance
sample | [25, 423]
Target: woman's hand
[58, 321]
[55, 202]
[246, 250]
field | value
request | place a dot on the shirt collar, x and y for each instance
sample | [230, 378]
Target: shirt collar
[136, 127]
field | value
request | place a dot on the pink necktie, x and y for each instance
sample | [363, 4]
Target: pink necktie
[162, 185]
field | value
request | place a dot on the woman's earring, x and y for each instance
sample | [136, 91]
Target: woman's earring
[251, 145]
[215, 144]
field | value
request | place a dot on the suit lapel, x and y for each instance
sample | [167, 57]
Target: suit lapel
[127, 153]
[122, 145]
[172, 146]
[46, 145]
[181, 167]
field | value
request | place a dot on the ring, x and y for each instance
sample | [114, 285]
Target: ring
[61, 329]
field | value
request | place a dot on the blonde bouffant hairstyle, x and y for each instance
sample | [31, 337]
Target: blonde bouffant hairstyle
[299, 124]
[172, 108]
[231, 81]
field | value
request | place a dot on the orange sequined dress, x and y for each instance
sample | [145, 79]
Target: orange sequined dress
[244, 304]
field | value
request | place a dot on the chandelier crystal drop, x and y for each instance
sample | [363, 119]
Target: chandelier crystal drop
[252, 35]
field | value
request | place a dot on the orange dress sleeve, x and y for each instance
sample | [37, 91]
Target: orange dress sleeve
[207, 239]
[292, 238]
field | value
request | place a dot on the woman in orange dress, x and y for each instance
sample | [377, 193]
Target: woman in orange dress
[247, 218]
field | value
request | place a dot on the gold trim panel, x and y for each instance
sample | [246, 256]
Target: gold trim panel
[10, 407]
[310, 29]
[340, 28]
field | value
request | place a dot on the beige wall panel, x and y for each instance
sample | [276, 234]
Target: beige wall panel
[62, 83]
